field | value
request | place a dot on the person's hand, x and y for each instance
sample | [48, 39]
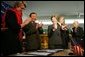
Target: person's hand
[64, 27]
[25, 22]
[41, 24]
[37, 25]
[54, 29]
[55, 26]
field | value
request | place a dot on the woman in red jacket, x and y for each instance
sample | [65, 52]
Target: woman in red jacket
[10, 41]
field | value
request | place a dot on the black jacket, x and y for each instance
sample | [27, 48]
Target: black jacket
[77, 34]
[9, 40]
[54, 36]
[32, 36]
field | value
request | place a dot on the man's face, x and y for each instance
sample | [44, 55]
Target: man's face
[34, 16]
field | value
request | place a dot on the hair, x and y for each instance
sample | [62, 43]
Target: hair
[58, 18]
[32, 13]
[17, 4]
[52, 17]
[24, 4]
[76, 24]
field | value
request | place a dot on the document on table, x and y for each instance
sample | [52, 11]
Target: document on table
[39, 53]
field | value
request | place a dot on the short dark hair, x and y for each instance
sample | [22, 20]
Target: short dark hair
[32, 13]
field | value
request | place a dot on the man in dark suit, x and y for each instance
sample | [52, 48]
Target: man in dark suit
[32, 33]
[54, 34]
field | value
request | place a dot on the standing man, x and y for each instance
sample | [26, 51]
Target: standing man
[32, 30]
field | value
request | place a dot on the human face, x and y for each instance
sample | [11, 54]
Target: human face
[76, 24]
[22, 6]
[54, 20]
[34, 16]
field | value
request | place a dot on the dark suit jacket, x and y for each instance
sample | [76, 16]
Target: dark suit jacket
[32, 36]
[78, 34]
[54, 36]
[65, 38]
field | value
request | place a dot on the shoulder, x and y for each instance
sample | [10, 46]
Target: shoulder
[73, 28]
[10, 11]
[80, 28]
[49, 26]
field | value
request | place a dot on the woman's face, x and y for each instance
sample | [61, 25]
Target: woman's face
[54, 21]
[75, 24]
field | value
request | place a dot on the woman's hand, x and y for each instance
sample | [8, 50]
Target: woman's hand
[26, 22]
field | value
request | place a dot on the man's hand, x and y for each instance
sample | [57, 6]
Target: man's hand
[40, 25]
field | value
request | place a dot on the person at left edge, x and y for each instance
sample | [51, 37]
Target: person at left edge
[10, 42]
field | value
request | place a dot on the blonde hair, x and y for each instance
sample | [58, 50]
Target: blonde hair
[75, 24]
[58, 18]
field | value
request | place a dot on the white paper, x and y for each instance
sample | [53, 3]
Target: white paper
[39, 53]
[50, 50]
[22, 55]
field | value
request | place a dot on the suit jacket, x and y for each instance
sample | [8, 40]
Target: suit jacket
[54, 36]
[77, 34]
[32, 36]
[65, 38]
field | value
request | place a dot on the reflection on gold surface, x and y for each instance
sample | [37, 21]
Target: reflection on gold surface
[44, 41]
